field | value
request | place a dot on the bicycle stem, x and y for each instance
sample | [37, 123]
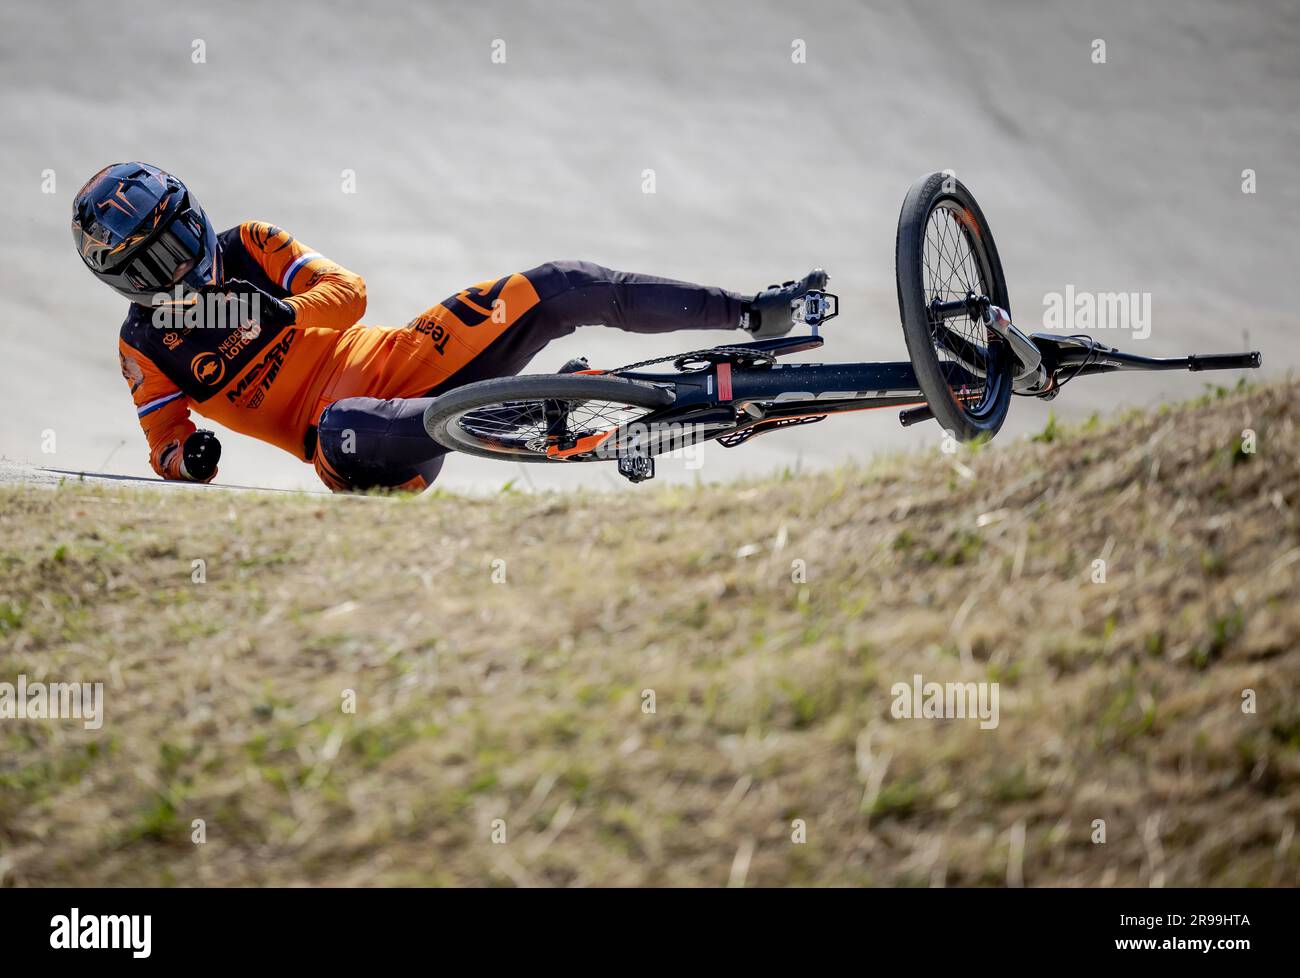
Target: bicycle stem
[1030, 376]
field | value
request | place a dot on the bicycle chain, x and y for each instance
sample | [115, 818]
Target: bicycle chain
[757, 356]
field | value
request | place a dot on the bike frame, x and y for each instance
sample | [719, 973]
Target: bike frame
[729, 399]
[742, 391]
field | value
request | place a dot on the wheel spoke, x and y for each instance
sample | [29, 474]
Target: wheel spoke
[952, 269]
[521, 427]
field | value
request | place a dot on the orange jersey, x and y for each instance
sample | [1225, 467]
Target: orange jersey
[273, 383]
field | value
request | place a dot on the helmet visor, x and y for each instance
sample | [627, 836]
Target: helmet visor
[169, 258]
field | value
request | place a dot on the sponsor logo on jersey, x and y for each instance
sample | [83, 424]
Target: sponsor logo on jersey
[208, 368]
[426, 325]
[253, 385]
[238, 341]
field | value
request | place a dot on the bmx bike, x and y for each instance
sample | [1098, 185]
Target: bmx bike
[966, 359]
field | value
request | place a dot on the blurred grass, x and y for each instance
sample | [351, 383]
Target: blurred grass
[526, 701]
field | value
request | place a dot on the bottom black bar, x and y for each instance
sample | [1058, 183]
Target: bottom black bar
[937, 928]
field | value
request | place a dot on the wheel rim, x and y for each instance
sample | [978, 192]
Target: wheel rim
[524, 427]
[954, 264]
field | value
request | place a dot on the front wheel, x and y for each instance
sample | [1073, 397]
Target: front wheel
[542, 418]
[944, 254]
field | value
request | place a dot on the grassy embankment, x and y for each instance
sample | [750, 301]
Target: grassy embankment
[524, 700]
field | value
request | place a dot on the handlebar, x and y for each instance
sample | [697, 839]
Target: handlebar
[1089, 357]
[1224, 361]
[1085, 359]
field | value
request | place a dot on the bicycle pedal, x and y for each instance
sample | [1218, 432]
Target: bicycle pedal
[815, 307]
[636, 468]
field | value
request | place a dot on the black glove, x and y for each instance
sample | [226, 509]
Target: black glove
[199, 456]
[256, 305]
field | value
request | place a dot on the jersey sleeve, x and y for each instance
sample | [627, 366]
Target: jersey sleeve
[162, 408]
[322, 293]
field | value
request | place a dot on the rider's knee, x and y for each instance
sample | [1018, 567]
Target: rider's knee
[335, 480]
[336, 442]
[350, 450]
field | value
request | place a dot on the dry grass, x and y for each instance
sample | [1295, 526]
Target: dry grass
[523, 700]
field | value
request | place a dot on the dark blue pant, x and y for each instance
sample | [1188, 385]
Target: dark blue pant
[373, 443]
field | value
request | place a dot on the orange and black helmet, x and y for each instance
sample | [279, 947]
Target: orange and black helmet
[142, 232]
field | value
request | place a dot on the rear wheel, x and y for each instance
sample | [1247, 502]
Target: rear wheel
[944, 253]
[532, 418]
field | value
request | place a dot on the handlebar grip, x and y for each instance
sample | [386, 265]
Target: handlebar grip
[1224, 361]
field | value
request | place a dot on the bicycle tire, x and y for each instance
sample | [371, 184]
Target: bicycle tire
[927, 195]
[448, 408]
